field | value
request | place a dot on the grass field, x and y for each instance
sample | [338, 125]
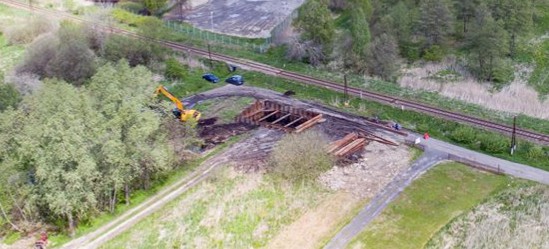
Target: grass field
[432, 201]
[516, 218]
[230, 210]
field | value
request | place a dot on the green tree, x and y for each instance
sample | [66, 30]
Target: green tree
[360, 31]
[435, 21]
[9, 97]
[466, 11]
[134, 146]
[316, 24]
[487, 43]
[383, 57]
[517, 17]
[57, 144]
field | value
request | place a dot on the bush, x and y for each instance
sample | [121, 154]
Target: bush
[38, 55]
[434, 53]
[136, 52]
[66, 56]
[301, 157]
[493, 143]
[464, 134]
[27, 31]
[176, 70]
[504, 72]
[536, 152]
[131, 6]
[9, 97]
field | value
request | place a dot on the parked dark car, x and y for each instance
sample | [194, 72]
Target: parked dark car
[235, 80]
[210, 77]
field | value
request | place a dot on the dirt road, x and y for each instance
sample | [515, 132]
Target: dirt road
[131, 217]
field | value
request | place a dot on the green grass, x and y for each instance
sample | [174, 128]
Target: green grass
[10, 55]
[225, 109]
[11, 238]
[428, 204]
[227, 211]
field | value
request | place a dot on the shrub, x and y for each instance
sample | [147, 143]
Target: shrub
[301, 157]
[464, 134]
[27, 31]
[493, 143]
[434, 53]
[9, 97]
[134, 51]
[38, 55]
[131, 6]
[503, 72]
[176, 70]
[536, 152]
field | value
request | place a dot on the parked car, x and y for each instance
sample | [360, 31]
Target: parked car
[210, 77]
[235, 80]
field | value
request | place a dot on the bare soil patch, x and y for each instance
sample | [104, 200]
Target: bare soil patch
[365, 178]
[251, 18]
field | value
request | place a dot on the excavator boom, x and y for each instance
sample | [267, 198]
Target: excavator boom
[182, 114]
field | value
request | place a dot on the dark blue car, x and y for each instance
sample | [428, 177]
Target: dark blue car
[235, 80]
[210, 77]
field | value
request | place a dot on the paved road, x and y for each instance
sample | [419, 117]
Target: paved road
[435, 151]
[429, 159]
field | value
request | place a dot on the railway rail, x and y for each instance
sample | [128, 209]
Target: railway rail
[263, 68]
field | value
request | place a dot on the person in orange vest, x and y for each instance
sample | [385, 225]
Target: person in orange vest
[426, 136]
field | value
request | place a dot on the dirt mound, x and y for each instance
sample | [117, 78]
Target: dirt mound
[217, 134]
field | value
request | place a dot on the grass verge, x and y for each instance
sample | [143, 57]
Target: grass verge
[229, 210]
[428, 204]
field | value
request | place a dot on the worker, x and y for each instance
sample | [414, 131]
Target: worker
[397, 126]
[426, 136]
[43, 242]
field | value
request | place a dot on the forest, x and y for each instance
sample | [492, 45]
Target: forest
[377, 36]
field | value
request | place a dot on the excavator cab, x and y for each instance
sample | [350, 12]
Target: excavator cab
[179, 112]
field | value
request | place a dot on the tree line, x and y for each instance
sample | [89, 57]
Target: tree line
[374, 36]
[85, 137]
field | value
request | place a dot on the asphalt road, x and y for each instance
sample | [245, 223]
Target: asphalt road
[435, 152]
[429, 159]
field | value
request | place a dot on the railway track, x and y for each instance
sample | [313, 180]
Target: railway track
[263, 68]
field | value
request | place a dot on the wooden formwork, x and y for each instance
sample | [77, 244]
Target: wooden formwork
[275, 115]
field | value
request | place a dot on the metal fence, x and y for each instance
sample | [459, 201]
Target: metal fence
[195, 33]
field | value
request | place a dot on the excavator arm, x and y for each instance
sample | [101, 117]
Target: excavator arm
[183, 114]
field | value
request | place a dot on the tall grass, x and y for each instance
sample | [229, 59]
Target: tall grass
[517, 97]
[516, 218]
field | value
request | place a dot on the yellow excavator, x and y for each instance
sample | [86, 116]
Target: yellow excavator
[179, 112]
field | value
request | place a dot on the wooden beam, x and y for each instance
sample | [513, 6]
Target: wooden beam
[281, 118]
[269, 115]
[309, 123]
[256, 112]
[293, 122]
